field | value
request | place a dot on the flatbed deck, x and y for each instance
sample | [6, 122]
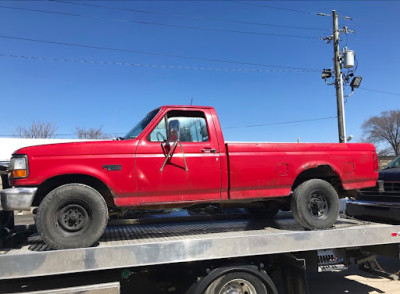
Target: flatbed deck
[184, 239]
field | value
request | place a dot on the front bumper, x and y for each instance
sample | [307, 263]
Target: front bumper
[17, 198]
[374, 210]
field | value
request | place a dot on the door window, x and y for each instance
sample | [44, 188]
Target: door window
[190, 126]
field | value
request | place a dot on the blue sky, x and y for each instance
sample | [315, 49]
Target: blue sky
[166, 52]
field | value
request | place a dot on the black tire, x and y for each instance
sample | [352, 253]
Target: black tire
[237, 282]
[315, 204]
[72, 216]
[267, 210]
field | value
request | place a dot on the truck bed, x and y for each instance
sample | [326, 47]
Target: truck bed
[182, 239]
[259, 170]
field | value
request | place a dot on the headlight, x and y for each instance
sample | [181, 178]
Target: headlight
[18, 167]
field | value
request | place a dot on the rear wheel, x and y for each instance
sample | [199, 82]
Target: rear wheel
[237, 282]
[315, 204]
[72, 216]
[246, 278]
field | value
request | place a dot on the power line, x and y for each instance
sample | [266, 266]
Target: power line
[289, 9]
[152, 53]
[284, 123]
[379, 91]
[251, 126]
[191, 17]
[274, 7]
[238, 70]
[164, 24]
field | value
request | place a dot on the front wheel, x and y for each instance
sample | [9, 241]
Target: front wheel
[315, 204]
[72, 216]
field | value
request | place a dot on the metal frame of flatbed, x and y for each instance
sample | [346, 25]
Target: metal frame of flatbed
[136, 245]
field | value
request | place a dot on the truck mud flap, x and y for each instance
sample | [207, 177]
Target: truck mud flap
[6, 225]
[294, 276]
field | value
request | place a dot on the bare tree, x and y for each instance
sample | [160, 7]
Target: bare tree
[42, 130]
[384, 129]
[91, 133]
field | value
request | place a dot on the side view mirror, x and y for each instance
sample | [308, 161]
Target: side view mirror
[173, 137]
[174, 130]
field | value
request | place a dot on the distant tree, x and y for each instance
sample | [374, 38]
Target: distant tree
[91, 133]
[42, 130]
[384, 129]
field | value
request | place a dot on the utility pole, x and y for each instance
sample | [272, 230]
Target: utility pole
[338, 80]
[347, 61]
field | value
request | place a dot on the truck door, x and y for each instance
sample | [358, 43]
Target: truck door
[192, 172]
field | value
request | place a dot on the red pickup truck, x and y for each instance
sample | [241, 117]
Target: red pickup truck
[176, 157]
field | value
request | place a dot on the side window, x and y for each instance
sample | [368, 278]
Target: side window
[159, 134]
[191, 129]
[190, 126]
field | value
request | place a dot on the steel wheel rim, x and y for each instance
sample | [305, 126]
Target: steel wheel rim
[72, 218]
[238, 286]
[318, 205]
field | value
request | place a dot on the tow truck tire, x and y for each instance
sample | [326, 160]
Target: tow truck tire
[72, 216]
[246, 278]
[315, 204]
[237, 282]
[265, 211]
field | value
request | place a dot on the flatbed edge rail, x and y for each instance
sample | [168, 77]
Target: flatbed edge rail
[23, 263]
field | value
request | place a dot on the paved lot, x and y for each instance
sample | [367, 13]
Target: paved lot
[354, 281]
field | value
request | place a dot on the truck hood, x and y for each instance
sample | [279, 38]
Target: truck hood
[80, 148]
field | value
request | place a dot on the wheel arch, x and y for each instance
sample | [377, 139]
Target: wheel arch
[323, 172]
[56, 181]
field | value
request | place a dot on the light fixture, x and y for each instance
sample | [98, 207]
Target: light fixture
[326, 73]
[355, 82]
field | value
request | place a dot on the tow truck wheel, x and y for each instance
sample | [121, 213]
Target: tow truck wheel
[266, 210]
[237, 282]
[232, 279]
[315, 204]
[72, 216]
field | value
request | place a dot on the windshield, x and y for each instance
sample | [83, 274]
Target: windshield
[132, 134]
[395, 163]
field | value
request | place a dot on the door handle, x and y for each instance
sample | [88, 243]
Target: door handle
[209, 150]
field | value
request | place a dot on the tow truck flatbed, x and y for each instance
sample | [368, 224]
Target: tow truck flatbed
[184, 240]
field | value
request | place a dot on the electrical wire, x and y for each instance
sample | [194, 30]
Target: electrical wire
[289, 9]
[273, 7]
[283, 123]
[153, 53]
[165, 25]
[356, 65]
[379, 91]
[250, 126]
[237, 70]
[190, 17]
[347, 40]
